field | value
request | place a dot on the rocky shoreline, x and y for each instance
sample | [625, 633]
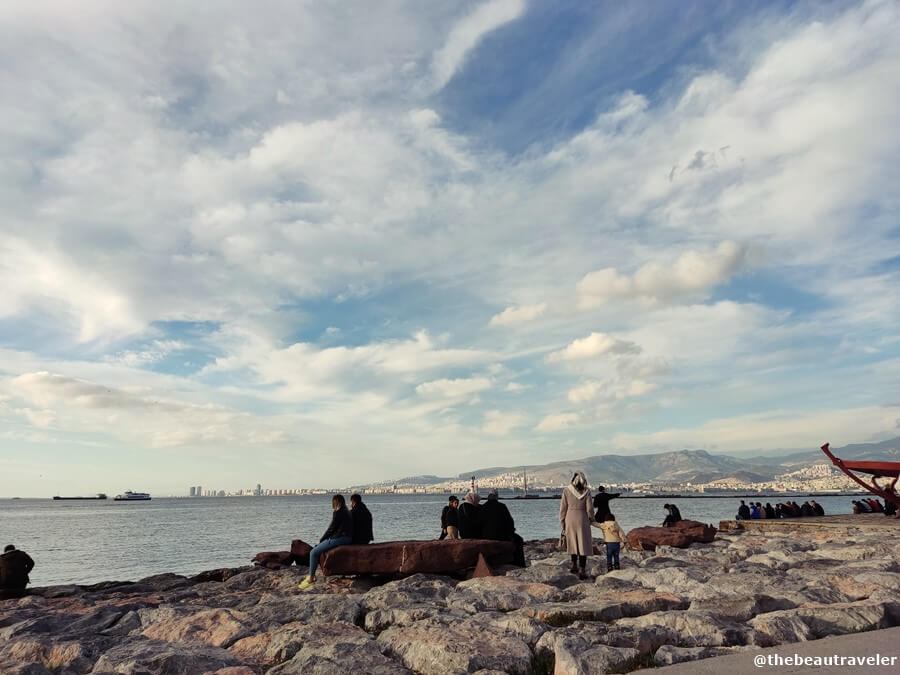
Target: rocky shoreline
[736, 593]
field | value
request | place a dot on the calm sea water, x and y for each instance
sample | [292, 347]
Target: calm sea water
[90, 541]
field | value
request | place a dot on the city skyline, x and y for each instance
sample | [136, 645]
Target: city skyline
[338, 244]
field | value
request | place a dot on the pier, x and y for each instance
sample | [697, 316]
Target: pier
[865, 522]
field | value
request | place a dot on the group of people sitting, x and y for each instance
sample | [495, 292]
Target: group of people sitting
[867, 505]
[789, 509]
[15, 566]
[474, 519]
[348, 526]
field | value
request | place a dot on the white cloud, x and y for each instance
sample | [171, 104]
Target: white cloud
[497, 423]
[557, 422]
[515, 386]
[513, 315]
[586, 391]
[692, 273]
[468, 32]
[595, 344]
[453, 388]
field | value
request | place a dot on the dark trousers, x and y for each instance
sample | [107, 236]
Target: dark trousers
[580, 559]
[612, 553]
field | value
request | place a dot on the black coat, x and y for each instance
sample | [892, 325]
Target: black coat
[601, 504]
[744, 511]
[469, 521]
[341, 525]
[770, 511]
[14, 568]
[496, 521]
[818, 510]
[449, 516]
[362, 524]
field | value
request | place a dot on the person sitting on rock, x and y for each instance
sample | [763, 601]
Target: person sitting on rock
[806, 511]
[498, 524]
[15, 566]
[890, 508]
[339, 533]
[762, 511]
[601, 503]
[817, 508]
[450, 519]
[576, 512]
[876, 505]
[469, 517]
[614, 537]
[743, 512]
[754, 511]
[674, 515]
[362, 521]
[770, 511]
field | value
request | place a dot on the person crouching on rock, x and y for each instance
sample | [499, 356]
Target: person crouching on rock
[575, 515]
[497, 523]
[362, 521]
[14, 568]
[469, 516]
[450, 519]
[339, 533]
[614, 537]
[674, 515]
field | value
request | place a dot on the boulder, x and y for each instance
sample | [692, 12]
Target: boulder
[416, 589]
[696, 629]
[217, 627]
[679, 535]
[668, 655]
[409, 557]
[436, 647]
[273, 560]
[300, 551]
[824, 620]
[152, 656]
[700, 532]
[306, 607]
[499, 593]
[603, 607]
[380, 619]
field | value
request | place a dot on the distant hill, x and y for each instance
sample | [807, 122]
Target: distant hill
[695, 466]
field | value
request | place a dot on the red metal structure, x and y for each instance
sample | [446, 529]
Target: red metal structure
[876, 470]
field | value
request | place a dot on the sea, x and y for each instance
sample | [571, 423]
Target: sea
[86, 542]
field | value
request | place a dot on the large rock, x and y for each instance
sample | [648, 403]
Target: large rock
[274, 560]
[600, 606]
[499, 593]
[679, 535]
[217, 627]
[416, 589]
[307, 608]
[300, 551]
[410, 557]
[824, 620]
[436, 647]
[696, 629]
[141, 657]
[668, 655]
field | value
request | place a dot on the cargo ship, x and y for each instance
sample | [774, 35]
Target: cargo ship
[130, 496]
[99, 495]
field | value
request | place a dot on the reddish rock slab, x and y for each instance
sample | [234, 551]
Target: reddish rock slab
[300, 551]
[412, 557]
[679, 535]
[273, 560]
[699, 531]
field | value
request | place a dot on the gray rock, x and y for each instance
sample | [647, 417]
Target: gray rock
[154, 657]
[696, 629]
[668, 655]
[741, 608]
[837, 619]
[307, 608]
[417, 589]
[379, 619]
[499, 594]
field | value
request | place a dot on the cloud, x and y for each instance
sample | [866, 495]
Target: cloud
[498, 423]
[515, 386]
[557, 422]
[595, 344]
[693, 273]
[468, 32]
[453, 388]
[585, 391]
[590, 390]
[513, 315]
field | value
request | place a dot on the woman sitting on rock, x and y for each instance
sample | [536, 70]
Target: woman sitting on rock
[339, 533]
[575, 516]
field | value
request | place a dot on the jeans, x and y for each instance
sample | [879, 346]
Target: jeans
[323, 546]
[612, 553]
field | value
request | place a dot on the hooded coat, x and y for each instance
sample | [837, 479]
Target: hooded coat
[469, 516]
[575, 515]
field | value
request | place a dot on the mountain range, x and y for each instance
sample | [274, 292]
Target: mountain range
[681, 466]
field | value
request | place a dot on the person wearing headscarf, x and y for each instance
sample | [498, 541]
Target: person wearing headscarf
[575, 515]
[469, 517]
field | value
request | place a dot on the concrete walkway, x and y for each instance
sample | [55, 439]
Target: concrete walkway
[884, 643]
[866, 522]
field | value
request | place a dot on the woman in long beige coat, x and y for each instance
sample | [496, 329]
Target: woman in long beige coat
[576, 512]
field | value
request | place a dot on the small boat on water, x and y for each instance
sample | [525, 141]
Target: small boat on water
[99, 495]
[130, 496]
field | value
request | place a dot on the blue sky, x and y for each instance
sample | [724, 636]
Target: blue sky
[311, 245]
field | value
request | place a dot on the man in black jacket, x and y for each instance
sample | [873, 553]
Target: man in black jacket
[14, 568]
[362, 521]
[450, 519]
[743, 511]
[601, 503]
[498, 524]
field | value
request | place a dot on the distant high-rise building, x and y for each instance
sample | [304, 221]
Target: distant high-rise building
[258, 491]
[199, 491]
[193, 491]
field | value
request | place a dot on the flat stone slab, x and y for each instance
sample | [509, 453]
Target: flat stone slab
[867, 522]
[412, 557]
[880, 642]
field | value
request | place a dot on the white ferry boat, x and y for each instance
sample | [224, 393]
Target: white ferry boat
[130, 496]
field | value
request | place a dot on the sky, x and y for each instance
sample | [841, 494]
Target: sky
[319, 244]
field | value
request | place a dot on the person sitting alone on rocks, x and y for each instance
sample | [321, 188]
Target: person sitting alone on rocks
[614, 537]
[15, 566]
[339, 533]
[362, 521]
[674, 515]
[450, 519]
[575, 515]
[743, 512]
[601, 503]
[498, 524]
[469, 517]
